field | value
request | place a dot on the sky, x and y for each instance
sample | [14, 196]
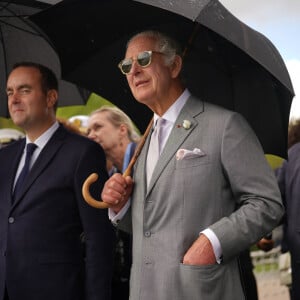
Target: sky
[279, 21]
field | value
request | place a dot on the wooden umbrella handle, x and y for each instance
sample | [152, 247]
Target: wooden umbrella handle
[93, 177]
[86, 192]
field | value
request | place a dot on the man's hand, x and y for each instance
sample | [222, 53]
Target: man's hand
[265, 244]
[200, 253]
[117, 191]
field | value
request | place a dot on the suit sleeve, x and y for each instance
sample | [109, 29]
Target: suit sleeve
[98, 231]
[255, 190]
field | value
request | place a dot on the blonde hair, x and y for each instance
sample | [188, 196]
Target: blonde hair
[117, 117]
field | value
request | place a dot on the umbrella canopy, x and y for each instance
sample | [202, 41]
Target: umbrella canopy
[225, 61]
[20, 40]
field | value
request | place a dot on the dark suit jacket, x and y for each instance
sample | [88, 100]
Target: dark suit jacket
[41, 254]
[289, 182]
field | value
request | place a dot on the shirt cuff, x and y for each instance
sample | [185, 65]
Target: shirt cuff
[115, 218]
[215, 243]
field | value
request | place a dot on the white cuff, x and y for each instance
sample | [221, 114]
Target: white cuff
[115, 218]
[215, 243]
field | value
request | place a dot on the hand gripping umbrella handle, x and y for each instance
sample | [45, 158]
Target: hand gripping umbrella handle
[93, 177]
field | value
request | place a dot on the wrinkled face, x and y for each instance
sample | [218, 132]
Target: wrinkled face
[102, 131]
[152, 82]
[28, 105]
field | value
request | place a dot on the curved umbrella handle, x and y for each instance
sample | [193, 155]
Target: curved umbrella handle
[93, 177]
[86, 192]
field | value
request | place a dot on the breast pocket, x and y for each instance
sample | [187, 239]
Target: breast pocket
[191, 162]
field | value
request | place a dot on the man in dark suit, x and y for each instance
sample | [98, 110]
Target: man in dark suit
[41, 254]
[288, 176]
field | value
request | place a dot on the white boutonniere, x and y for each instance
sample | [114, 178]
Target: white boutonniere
[186, 124]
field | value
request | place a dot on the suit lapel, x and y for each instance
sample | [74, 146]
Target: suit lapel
[16, 153]
[43, 160]
[178, 135]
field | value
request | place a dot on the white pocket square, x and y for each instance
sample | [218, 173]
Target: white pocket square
[186, 154]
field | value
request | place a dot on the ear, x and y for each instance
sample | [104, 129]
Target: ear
[52, 96]
[123, 130]
[176, 66]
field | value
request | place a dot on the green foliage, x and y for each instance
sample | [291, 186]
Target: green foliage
[95, 101]
[8, 123]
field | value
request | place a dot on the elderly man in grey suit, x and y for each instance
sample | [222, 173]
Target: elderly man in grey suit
[211, 194]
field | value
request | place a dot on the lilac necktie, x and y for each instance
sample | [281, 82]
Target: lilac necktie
[29, 151]
[154, 148]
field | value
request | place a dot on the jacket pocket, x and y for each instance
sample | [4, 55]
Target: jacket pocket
[192, 162]
[208, 282]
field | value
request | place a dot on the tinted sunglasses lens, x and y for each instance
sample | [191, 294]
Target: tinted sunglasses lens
[144, 58]
[126, 65]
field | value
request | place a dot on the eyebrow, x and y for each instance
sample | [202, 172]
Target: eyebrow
[23, 86]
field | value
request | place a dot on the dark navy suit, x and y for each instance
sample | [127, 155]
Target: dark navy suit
[289, 182]
[41, 253]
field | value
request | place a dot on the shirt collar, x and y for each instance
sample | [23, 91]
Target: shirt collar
[42, 140]
[173, 112]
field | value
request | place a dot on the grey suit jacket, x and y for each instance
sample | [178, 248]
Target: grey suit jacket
[230, 188]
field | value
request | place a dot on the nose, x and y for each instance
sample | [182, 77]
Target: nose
[13, 97]
[135, 68]
[91, 135]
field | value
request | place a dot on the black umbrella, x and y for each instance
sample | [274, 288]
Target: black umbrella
[226, 62]
[20, 40]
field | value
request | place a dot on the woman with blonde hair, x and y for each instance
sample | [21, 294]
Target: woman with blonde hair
[114, 131]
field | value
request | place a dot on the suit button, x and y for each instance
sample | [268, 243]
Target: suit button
[147, 234]
[11, 220]
[148, 262]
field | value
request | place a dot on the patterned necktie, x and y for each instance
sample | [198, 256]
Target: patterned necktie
[154, 148]
[29, 151]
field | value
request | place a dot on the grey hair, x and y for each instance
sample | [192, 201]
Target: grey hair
[164, 44]
[117, 117]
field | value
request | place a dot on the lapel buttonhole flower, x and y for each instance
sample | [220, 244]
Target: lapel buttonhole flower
[186, 124]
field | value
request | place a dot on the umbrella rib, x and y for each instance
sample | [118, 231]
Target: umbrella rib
[5, 6]
[19, 28]
[191, 39]
[21, 18]
[35, 30]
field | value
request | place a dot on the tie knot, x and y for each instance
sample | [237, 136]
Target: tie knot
[30, 148]
[160, 122]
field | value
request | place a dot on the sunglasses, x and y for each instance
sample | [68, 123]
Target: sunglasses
[143, 59]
